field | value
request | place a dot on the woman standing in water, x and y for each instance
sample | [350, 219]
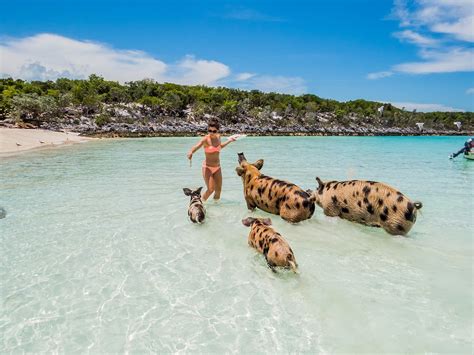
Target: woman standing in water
[211, 168]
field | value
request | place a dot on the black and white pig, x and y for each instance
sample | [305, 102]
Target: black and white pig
[196, 210]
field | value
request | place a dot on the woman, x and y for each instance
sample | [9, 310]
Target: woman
[211, 168]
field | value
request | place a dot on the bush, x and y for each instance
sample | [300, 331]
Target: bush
[102, 119]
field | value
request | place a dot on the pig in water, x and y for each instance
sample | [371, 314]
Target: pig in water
[271, 244]
[272, 195]
[367, 202]
[196, 210]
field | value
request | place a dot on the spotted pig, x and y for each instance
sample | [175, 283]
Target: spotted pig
[272, 195]
[196, 210]
[271, 244]
[367, 202]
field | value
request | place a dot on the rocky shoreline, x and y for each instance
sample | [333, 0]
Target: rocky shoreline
[135, 122]
[127, 130]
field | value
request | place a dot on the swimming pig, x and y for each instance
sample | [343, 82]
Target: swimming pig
[196, 210]
[271, 244]
[272, 195]
[367, 202]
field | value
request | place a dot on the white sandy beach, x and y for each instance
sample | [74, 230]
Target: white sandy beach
[15, 140]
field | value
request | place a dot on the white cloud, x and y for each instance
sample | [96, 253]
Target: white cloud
[452, 60]
[244, 76]
[49, 56]
[462, 29]
[191, 71]
[415, 38]
[470, 91]
[269, 83]
[36, 71]
[452, 17]
[400, 12]
[421, 107]
[442, 30]
[379, 75]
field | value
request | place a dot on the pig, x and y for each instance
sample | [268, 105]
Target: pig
[271, 244]
[367, 202]
[196, 210]
[272, 195]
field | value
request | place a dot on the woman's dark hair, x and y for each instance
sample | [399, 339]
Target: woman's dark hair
[213, 122]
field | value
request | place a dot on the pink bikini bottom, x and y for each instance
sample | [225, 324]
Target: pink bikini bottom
[212, 169]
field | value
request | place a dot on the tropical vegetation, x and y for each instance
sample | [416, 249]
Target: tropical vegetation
[49, 101]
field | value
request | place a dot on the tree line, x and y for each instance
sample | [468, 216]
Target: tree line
[49, 101]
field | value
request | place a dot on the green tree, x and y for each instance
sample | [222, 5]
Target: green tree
[228, 111]
[34, 108]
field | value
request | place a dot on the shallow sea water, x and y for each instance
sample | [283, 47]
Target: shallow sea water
[97, 253]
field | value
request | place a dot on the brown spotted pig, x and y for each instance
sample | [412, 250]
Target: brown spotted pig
[272, 195]
[367, 202]
[271, 244]
[196, 210]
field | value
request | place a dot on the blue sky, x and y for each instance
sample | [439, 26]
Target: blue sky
[413, 53]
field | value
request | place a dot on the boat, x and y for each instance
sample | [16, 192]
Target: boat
[469, 155]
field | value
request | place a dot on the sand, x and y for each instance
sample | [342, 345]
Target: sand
[16, 140]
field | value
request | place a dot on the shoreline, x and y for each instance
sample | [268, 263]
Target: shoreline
[15, 141]
[278, 133]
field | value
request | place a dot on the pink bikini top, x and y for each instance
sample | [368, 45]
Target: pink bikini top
[211, 148]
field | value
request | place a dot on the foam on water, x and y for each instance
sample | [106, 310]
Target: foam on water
[98, 255]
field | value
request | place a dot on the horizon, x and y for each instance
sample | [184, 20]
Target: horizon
[388, 52]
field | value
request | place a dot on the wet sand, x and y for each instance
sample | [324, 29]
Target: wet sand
[17, 140]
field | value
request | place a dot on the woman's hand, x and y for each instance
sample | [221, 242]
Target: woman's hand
[228, 141]
[195, 148]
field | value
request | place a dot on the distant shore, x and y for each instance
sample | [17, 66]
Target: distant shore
[122, 134]
[178, 127]
[17, 140]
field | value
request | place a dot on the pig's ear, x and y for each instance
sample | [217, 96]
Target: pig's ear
[239, 170]
[258, 164]
[248, 221]
[198, 191]
[187, 191]
[267, 221]
[320, 183]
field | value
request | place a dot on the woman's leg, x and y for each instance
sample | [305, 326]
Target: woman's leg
[209, 180]
[218, 184]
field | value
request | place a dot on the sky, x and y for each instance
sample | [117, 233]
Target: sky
[414, 54]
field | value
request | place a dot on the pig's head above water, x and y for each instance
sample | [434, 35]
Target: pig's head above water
[248, 169]
[273, 195]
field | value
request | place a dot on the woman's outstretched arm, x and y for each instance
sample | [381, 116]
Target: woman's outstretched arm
[195, 148]
[223, 145]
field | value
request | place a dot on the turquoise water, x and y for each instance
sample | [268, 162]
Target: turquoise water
[98, 255]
